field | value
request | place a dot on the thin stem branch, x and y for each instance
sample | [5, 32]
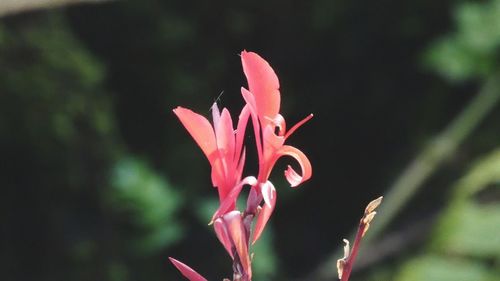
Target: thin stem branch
[355, 249]
[345, 264]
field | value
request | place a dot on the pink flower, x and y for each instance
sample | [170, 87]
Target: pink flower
[263, 99]
[221, 145]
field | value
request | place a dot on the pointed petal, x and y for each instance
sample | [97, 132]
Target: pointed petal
[293, 177]
[200, 129]
[221, 232]
[262, 83]
[218, 178]
[265, 213]
[224, 133]
[224, 168]
[215, 114]
[250, 100]
[232, 196]
[241, 165]
[187, 271]
[236, 230]
[240, 130]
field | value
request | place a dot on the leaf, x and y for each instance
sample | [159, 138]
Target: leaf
[435, 268]
[471, 230]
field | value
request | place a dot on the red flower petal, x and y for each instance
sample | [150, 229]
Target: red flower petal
[268, 193]
[199, 128]
[221, 232]
[225, 136]
[187, 271]
[262, 83]
[293, 178]
[266, 211]
[241, 165]
[230, 199]
[240, 130]
[236, 230]
[252, 106]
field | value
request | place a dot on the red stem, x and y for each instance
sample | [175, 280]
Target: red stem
[352, 256]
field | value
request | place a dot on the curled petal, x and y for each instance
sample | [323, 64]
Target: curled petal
[279, 121]
[236, 230]
[200, 129]
[187, 271]
[265, 212]
[293, 177]
[262, 83]
[223, 236]
[272, 142]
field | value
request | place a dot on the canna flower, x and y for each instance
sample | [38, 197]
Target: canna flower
[263, 99]
[223, 147]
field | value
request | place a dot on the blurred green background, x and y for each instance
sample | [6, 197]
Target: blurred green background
[99, 181]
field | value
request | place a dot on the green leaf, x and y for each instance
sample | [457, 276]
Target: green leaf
[483, 174]
[435, 268]
[471, 230]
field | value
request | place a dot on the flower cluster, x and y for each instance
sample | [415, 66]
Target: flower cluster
[223, 145]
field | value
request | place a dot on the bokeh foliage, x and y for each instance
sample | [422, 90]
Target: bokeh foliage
[69, 184]
[471, 51]
[465, 245]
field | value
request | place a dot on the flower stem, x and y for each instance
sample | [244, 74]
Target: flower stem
[355, 249]
[344, 265]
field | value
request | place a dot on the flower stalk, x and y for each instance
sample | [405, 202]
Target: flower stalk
[345, 264]
[223, 146]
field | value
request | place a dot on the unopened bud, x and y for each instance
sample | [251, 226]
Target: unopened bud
[369, 217]
[370, 214]
[373, 205]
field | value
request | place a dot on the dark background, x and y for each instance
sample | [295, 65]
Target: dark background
[100, 181]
